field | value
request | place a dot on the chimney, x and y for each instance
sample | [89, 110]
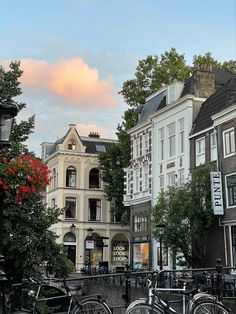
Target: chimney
[204, 80]
[94, 134]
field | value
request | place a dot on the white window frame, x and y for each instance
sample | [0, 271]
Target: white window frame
[229, 143]
[213, 141]
[137, 147]
[162, 143]
[200, 154]
[226, 188]
[171, 178]
[181, 136]
[146, 177]
[136, 180]
[146, 142]
[172, 140]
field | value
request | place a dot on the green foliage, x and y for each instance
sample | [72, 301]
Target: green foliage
[28, 240]
[151, 73]
[186, 210]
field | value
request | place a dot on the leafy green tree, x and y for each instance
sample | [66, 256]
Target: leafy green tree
[187, 213]
[28, 242]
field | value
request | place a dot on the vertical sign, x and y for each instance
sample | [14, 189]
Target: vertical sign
[216, 193]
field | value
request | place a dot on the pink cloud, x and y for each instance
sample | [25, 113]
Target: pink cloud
[71, 79]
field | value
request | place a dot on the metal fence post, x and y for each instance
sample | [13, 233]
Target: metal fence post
[24, 294]
[127, 285]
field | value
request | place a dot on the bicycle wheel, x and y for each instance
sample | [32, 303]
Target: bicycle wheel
[143, 309]
[210, 307]
[92, 306]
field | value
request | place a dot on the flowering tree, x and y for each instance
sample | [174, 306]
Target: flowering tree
[28, 240]
[22, 176]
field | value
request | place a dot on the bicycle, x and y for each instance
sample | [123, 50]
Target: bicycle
[200, 303]
[68, 297]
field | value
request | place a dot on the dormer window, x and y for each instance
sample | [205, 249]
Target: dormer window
[72, 145]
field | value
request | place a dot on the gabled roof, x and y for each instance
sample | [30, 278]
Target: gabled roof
[151, 106]
[157, 102]
[222, 98]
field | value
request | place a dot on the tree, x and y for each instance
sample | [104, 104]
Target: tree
[187, 206]
[151, 73]
[28, 242]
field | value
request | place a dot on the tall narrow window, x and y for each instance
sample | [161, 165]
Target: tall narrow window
[146, 143]
[146, 176]
[70, 177]
[137, 147]
[200, 151]
[213, 146]
[94, 209]
[136, 180]
[171, 134]
[229, 142]
[231, 189]
[233, 234]
[70, 204]
[94, 179]
[162, 141]
[181, 136]
[162, 183]
[140, 145]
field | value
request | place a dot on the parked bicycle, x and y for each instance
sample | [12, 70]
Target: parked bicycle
[199, 303]
[56, 296]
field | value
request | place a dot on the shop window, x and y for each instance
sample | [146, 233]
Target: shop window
[141, 255]
[94, 209]
[120, 252]
[70, 204]
[70, 177]
[94, 180]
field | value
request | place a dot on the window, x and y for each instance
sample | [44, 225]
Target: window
[53, 203]
[181, 136]
[70, 177]
[136, 180]
[140, 222]
[171, 134]
[100, 148]
[54, 178]
[171, 178]
[162, 182]
[181, 176]
[231, 189]
[94, 209]
[213, 146]
[141, 255]
[72, 145]
[70, 204]
[137, 147]
[140, 145]
[162, 141]
[229, 142]
[94, 180]
[146, 176]
[146, 142]
[233, 235]
[200, 151]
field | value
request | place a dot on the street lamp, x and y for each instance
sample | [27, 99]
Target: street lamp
[89, 246]
[160, 232]
[7, 113]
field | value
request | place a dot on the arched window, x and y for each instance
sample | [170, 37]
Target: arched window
[72, 144]
[70, 177]
[94, 180]
[69, 242]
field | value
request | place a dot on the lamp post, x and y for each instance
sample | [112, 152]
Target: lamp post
[7, 113]
[89, 247]
[160, 231]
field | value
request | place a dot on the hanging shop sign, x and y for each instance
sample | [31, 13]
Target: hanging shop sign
[216, 193]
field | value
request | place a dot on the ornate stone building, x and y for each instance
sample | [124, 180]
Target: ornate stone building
[77, 187]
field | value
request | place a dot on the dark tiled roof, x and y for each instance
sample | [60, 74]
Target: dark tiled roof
[222, 98]
[159, 101]
[151, 106]
[91, 146]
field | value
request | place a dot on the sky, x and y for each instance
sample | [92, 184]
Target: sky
[76, 54]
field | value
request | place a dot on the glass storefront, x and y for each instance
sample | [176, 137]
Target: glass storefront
[140, 255]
